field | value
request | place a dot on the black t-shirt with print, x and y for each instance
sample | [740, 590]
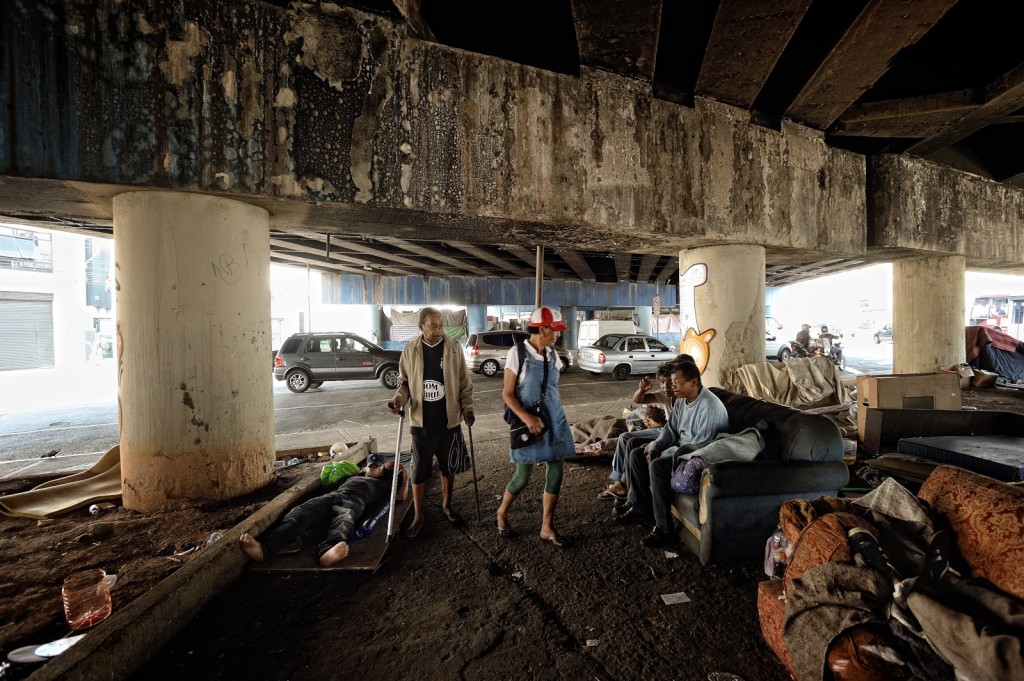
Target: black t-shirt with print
[435, 410]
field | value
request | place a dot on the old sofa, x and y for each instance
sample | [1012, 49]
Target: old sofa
[737, 507]
[986, 518]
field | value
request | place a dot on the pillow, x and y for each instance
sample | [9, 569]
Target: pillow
[686, 478]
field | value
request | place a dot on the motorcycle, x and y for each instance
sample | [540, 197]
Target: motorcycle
[817, 348]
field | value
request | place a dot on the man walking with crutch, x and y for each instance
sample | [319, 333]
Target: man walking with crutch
[437, 394]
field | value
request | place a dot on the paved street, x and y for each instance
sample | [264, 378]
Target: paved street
[336, 412]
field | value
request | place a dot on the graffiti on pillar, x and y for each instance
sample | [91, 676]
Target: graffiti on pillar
[231, 269]
[696, 343]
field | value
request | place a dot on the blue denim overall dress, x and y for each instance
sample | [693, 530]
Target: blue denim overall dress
[556, 443]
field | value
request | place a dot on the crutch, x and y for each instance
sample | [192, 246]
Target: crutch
[472, 461]
[394, 477]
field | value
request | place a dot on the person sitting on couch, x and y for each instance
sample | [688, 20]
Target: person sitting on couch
[662, 400]
[697, 417]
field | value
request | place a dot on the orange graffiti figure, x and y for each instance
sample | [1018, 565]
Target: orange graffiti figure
[696, 345]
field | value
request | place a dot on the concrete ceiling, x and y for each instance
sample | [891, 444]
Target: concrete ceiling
[937, 79]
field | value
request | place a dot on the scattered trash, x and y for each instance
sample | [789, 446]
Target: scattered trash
[293, 461]
[172, 558]
[189, 548]
[94, 510]
[51, 453]
[368, 525]
[338, 448]
[214, 538]
[55, 648]
[86, 598]
[592, 642]
[517, 576]
[653, 573]
[279, 464]
[723, 676]
[333, 474]
[676, 598]
[671, 554]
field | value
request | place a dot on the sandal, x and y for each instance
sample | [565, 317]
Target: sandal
[607, 493]
[555, 540]
[451, 516]
[506, 532]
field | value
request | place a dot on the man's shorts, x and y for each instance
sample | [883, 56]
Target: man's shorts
[427, 446]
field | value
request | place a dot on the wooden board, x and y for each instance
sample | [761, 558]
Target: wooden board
[367, 554]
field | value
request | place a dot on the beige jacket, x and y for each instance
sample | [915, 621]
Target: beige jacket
[458, 387]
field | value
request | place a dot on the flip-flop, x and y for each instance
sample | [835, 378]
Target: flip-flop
[607, 493]
[506, 532]
[451, 516]
[555, 540]
[413, 530]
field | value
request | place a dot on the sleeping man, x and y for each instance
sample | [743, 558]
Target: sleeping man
[342, 508]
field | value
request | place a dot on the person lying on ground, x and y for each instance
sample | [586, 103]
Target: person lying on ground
[342, 508]
[697, 417]
[627, 441]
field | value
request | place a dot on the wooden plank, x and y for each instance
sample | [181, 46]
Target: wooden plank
[862, 56]
[1002, 97]
[747, 39]
[364, 555]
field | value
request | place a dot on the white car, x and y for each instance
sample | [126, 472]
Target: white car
[623, 354]
[775, 345]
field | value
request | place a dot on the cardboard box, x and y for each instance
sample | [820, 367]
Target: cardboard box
[905, 391]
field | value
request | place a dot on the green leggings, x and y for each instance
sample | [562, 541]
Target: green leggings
[552, 477]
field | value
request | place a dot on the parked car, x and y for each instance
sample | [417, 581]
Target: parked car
[486, 351]
[592, 329]
[884, 333]
[775, 348]
[623, 354]
[306, 360]
[774, 345]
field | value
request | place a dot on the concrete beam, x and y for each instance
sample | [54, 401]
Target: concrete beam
[919, 207]
[303, 109]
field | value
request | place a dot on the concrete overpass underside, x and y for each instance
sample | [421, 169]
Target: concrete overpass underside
[350, 139]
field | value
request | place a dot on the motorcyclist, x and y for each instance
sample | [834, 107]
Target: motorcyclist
[803, 336]
[830, 347]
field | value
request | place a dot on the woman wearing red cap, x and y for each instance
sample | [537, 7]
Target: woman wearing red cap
[527, 383]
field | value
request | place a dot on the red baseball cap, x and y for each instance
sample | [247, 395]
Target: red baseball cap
[546, 317]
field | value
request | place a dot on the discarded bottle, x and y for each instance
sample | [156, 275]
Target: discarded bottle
[214, 538]
[86, 597]
[293, 462]
[368, 525]
[94, 510]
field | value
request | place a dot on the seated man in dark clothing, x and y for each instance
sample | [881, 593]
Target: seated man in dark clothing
[342, 507]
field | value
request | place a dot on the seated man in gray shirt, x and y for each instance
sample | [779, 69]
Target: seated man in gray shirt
[697, 417]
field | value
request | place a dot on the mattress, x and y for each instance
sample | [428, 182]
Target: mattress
[997, 456]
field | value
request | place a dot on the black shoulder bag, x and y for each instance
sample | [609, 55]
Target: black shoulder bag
[519, 434]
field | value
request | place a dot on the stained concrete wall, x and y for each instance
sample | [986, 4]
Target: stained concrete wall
[915, 204]
[342, 108]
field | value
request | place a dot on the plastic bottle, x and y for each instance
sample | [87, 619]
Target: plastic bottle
[214, 538]
[293, 462]
[86, 598]
[368, 525]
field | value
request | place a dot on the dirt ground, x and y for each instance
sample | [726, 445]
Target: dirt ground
[456, 602]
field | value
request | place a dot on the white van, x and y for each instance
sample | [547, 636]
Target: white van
[593, 329]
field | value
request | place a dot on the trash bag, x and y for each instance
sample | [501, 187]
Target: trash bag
[334, 473]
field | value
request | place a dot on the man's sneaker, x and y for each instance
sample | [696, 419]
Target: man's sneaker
[868, 552]
[630, 515]
[658, 538]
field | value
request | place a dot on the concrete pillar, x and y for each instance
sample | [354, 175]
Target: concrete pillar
[195, 392]
[645, 318]
[928, 313]
[571, 333]
[721, 309]
[476, 318]
[375, 326]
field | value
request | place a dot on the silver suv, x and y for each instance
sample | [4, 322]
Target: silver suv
[306, 360]
[486, 351]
